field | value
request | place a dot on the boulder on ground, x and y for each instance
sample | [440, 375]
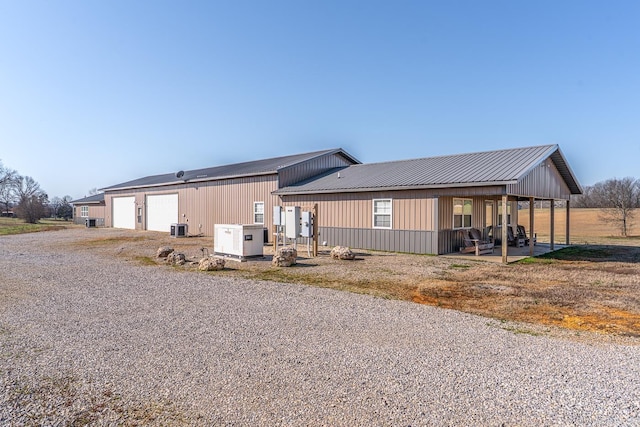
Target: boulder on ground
[285, 257]
[164, 251]
[176, 258]
[342, 252]
[211, 264]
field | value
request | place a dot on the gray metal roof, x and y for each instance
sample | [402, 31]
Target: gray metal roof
[96, 198]
[253, 168]
[499, 167]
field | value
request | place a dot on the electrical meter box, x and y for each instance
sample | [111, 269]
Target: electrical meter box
[292, 222]
[238, 240]
[306, 224]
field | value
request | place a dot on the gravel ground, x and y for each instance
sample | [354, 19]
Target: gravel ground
[86, 339]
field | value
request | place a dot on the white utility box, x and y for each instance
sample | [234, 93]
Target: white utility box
[292, 222]
[238, 240]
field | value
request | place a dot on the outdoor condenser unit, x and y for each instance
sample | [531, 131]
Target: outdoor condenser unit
[238, 240]
[179, 230]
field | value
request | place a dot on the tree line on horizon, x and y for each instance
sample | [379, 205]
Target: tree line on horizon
[22, 196]
[617, 198]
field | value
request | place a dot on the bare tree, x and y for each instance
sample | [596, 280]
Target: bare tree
[8, 181]
[31, 199]
[60, 207]
[618, 199]
[584, 200]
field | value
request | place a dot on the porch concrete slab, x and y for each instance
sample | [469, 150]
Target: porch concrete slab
[513, 254]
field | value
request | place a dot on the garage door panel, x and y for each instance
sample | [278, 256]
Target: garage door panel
[124, 212]
[162, 211]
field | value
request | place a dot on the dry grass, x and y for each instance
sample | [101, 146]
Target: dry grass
[585, 227]
[583, 288]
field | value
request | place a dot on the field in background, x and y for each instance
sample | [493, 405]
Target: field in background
[586, 227]
[18, 226]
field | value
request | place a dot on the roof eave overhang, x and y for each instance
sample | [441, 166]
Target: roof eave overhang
[396, 188]
[555, 154]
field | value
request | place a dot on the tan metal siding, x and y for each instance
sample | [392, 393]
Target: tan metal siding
[204, 204]
[544, 182]
[412, 210]
[96, 211]
[313, 167]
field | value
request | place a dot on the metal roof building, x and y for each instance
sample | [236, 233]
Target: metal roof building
[420, 205]
[417, 205]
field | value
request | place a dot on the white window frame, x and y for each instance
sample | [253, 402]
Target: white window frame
[255, 212]
[390, 214]
[84, 211]
[462, 215]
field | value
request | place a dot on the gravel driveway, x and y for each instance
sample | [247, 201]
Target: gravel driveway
[89, 339]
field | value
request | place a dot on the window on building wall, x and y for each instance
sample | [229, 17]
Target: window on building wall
[462, 210]
[258, 212]
[382, 213]
[84, 211]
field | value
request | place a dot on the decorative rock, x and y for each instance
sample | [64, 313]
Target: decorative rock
[176, 258]
[164, 251]
[211, 264]
[285, 257]
[342, 252]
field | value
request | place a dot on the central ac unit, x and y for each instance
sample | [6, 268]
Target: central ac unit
[179, 230]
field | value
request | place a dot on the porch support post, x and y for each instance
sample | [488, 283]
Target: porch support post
[505, 244]
[315, 230]
[531, 234]
[552, 223]
[566, 235]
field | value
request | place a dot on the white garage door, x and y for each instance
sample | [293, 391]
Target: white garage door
[124, 212]
[162, 211]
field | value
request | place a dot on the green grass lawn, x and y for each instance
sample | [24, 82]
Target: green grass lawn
[18, 226]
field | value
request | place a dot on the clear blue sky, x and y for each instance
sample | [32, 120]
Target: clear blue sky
[94, 93]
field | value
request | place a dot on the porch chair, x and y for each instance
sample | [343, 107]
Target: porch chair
[473, 243]
[514, 239]
[522, 233]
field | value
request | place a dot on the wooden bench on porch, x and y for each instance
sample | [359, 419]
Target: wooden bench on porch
[473, 243]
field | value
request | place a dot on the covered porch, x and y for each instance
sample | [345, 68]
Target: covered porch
[514, 253]
[488, 213]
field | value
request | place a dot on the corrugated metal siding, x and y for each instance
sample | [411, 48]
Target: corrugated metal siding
[310, 168]
[410, 241]
[544, 182]
[204, 204]
[96, 212]
[412, 210]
